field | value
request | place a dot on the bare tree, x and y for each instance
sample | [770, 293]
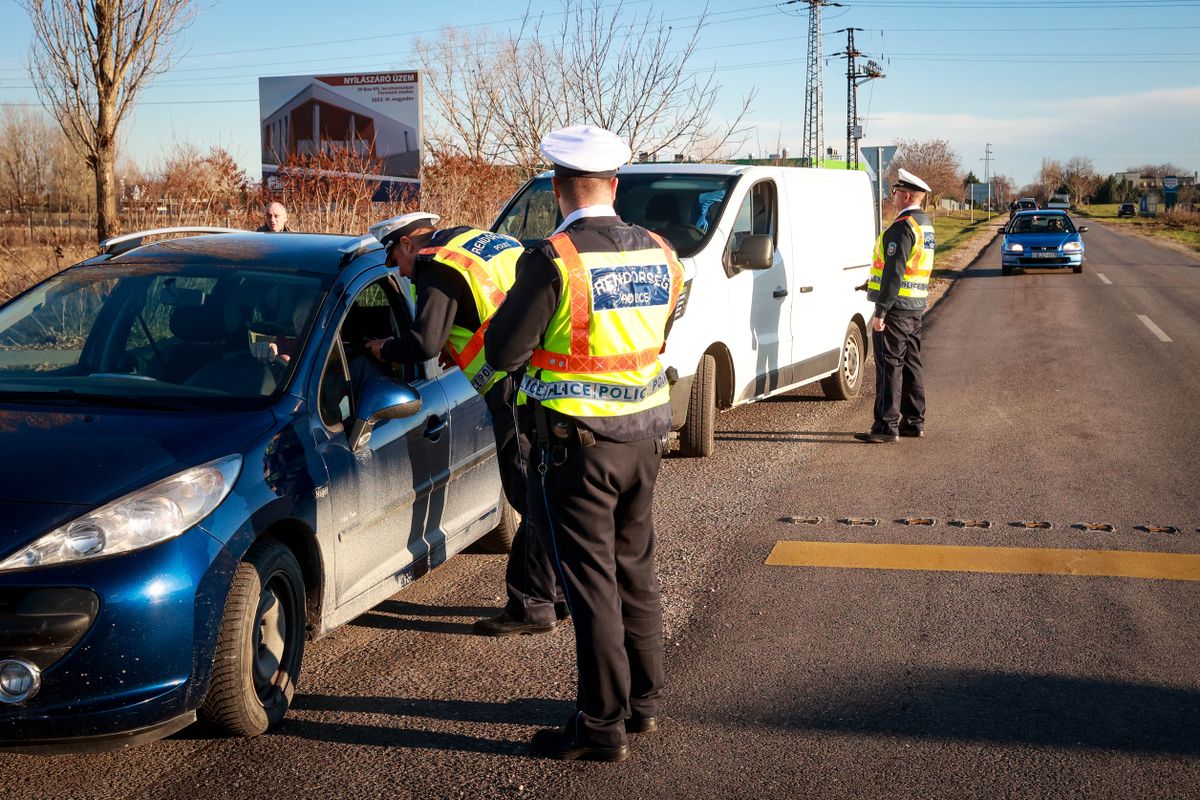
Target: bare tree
[931, 160]
[25, 142]
[89, 61]
[631, 73]
[1081, 179]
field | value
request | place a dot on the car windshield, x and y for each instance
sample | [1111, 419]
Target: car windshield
[158, 335]
[683, 208]
[1042, 223]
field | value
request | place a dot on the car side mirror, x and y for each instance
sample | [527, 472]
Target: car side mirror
[1083, 229]
[383, 398]
[756, 251]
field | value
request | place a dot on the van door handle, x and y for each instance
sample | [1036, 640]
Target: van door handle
[805, 289]
[435, 427]
[780, 293]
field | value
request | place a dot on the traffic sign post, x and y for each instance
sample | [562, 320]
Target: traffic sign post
[878, 159]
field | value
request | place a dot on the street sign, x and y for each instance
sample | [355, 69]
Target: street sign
[1170, 190]
[878, 159]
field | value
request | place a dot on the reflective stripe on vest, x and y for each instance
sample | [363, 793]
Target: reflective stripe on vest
[487, 261]
[599, 355]
[918, 267]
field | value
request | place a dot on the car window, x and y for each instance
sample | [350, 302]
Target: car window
[378, 311]
[682, 208]
[1042, 223]
[198, 335]
[756, 215]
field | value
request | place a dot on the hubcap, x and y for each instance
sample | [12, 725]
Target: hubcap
[270, 639]
[851, 361]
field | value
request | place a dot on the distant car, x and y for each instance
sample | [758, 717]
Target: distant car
[1042, 239]
[202, 468]
[1127, 210]
[1024, 204]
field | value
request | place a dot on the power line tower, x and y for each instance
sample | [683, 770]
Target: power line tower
[855, 77]
[813, 149]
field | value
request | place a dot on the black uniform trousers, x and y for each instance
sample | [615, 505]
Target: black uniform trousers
[597, 500]
[531, 582]
[899, 384]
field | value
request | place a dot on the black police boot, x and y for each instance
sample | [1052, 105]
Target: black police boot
[505, 624]
[558, 743]
[641, 724]
[876, 438]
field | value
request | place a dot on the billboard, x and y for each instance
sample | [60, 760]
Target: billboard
[375, 115]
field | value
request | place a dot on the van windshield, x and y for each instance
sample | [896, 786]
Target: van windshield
[683, 208]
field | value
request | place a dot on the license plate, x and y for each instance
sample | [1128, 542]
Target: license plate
[1045, 255]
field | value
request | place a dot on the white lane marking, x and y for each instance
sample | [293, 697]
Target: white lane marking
[1102, 277]
[1157, 331]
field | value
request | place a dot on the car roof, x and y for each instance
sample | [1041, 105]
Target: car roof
[315, 252]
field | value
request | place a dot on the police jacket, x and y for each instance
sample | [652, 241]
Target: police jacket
[520, 325]
[903, 263]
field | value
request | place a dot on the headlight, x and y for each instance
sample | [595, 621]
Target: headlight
[1013, 247]
[1072, 247]
[146, 517]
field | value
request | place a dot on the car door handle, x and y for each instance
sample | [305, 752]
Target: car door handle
[805, 289]
[780, 293]
[435, 428]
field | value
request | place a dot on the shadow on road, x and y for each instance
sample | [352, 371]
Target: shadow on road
[810, 437]
[1040, 710]
[398, 615]
[526, 711]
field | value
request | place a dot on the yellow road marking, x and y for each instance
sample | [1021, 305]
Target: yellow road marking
[1021, 560]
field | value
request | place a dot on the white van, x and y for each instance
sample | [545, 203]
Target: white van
[771, 257]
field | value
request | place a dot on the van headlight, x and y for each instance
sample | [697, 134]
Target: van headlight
[144, 518]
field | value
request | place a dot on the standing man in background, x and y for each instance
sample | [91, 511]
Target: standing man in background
[589, 314]
[461, 276]
[275, 219]
[899, 287]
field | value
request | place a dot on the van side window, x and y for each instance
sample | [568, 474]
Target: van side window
[757, 214]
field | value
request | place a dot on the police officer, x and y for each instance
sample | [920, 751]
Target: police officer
[461, 277]
[589, 313]
[899, 287]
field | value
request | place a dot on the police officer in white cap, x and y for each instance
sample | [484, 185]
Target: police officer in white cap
[589, 314]
[899, 287]
[461, 276]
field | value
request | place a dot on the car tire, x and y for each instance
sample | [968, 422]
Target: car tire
[697, 437]
[1006, 270]
[846, 383]
[499, 540]
[1077, 269]
[260, 644]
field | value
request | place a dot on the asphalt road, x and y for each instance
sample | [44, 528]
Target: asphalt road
[1051, 400]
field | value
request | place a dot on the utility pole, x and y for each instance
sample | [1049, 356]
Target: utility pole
[987, 176]
[854, 79]
[813, 149]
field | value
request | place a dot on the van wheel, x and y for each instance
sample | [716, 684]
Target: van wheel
[696, 437]
[847, 381]
[500, 539]
[260, 644]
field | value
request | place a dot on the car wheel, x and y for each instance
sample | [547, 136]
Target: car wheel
[500, 538]
[1077, 269]
[1006, 270]
[697, 436]
[847, 381]
[260, 645]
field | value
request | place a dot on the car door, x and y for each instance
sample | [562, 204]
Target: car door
[765, 354]
[388, 495]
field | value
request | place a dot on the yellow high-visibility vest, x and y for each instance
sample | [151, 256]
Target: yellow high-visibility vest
[914, 285]
[599, 355]
[488, 262]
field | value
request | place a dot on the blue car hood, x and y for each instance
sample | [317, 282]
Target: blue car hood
[1042, 239]
[89, 457]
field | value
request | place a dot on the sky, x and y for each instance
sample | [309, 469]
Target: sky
[1117, 81]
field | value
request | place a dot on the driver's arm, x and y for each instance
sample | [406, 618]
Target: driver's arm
[437, 303]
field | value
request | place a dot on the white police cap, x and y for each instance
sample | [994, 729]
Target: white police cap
[906, 180]
[392, 229]
[585, 151]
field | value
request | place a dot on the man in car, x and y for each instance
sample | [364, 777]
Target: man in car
[899, 287]
[461, 277]
[275, 219]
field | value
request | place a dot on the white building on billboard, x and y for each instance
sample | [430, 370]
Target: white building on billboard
[375, 115]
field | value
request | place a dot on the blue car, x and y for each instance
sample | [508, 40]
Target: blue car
[202, 468]
[1042, 239]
